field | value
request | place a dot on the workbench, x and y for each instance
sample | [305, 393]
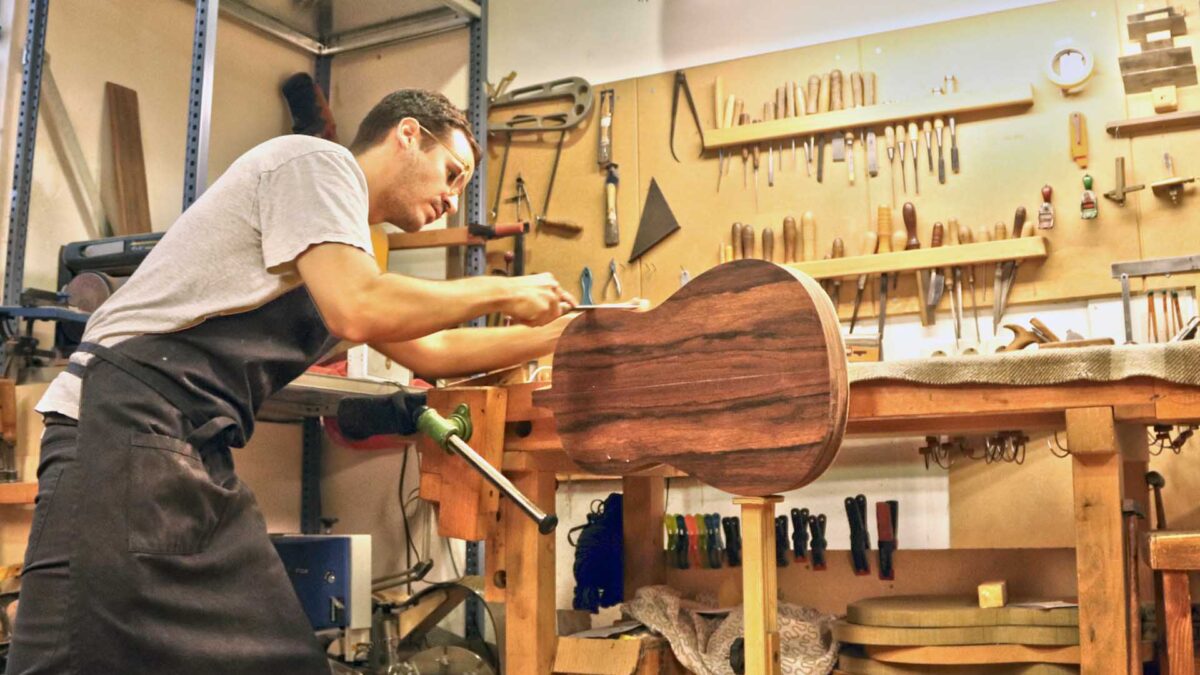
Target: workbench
[1104, 416]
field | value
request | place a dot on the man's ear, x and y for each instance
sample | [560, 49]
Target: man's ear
[407, 132]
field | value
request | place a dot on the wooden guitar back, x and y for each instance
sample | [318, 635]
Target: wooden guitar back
[738, 379]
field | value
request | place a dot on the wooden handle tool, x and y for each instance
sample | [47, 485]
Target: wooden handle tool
[910, 225]
[737, 241]
[789, 240]
[836, 101]
[856, 89]
[824, 97]
[748, 241]
[768, 244]
[868, 88]
[808, 235]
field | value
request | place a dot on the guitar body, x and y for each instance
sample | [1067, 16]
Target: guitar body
[738, 379]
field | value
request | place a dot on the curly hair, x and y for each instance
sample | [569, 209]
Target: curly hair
[434, 111]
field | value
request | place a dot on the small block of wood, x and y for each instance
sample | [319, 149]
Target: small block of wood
[1165, 99]
[993, 594]
[1175, 550]
[18, 493]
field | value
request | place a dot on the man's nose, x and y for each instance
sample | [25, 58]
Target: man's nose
[452, 205]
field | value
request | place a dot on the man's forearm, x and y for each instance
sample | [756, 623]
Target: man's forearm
[463, 351]
[401, 307]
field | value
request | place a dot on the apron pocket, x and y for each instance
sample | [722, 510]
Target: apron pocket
[172, 505]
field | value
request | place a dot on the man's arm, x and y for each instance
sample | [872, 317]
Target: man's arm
[462, 351]
[361, 304]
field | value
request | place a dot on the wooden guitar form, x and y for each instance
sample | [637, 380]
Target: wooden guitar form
[738, 379]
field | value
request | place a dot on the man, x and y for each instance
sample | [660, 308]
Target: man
[147, 555]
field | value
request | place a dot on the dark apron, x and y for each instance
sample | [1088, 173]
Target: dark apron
[172, 570]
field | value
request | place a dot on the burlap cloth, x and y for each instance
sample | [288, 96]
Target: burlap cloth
[702, 643]
[1177, 362]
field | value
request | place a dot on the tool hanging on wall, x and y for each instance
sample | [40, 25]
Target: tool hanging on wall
[574, 88]
[768, 244]
[1008, 271]
[791, 240]
[838, 251]
[927, 130]
[559, 226]
[781, 541]
[800, 533]
[937, 276]
[914, 140]
[657, 222]
[836, 102]
[681, 84]
[1088, 209]
[887, 522]
[909, 212]
[817, 543]
[1079, 143]
[965, 236]
[1046, 210]
[604, 146]
[939, 127]
[1117, 194]
[860, 538]
[769, 115]
[585, 287]
[867, 246]
[811, 97]
[1172, 187]
[719, 121]
[900, 138]
[612, 233]
[884, 237]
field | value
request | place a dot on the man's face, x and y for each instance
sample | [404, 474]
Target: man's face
[430, 175]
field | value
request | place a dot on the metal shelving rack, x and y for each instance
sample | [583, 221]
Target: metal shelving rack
[324, 28]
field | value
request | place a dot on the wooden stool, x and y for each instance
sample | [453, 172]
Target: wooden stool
[1174, 554]
[760, 587]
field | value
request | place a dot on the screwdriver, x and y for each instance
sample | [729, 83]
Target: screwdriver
[938, 126]
[914, 139]
[811, 97]
[780, 113]
[889, 139]
[900, 154]
[838, 251]
[867, 246]
[850, 155]
[927, 129]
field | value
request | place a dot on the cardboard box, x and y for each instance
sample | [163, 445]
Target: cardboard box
[643, 655]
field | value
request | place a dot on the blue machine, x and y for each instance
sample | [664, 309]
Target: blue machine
[332, 577]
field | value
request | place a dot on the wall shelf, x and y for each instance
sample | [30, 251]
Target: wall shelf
[1018, 96]
[961, 255]
[1155, 124]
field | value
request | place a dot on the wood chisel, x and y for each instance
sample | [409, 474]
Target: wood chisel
[836, 102]
[768, 244]
[850, 155]
[965, 236]
[797, 111]
[768, 115]
[938, 128]
[790, 240]
[732, 111]
[743, 120]
[736, 236]
[937, 276]
[789, 111]
[856, 89]
[909, 213]
[889, 139]
[748, 241]
[808, 235]
[900, 155]
[1013, 265]
[884, 227]
[755, 157]
[727, 117]
[953, 146]
[914, 140]
[780, 113]
[719, 120]
[868, 100]
[838, 251]
[612, 233]
[632, 304]
[999, 232]
[867, 246]
[822, 106]
[953, 234]
[812, 96]
[604, 149]
[927, 129]
[983, 233]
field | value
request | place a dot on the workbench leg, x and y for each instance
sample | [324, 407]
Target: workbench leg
[642, 513]
[1098, 448]
[530, 616]
[759, 584]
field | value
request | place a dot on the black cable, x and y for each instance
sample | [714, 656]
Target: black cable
[404, 515]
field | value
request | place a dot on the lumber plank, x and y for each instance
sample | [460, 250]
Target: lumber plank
[132, 207]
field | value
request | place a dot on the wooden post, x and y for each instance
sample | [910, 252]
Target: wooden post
[1097, 444]
[1177, 597]
[530, 627]
[642, 513]
[760, 584]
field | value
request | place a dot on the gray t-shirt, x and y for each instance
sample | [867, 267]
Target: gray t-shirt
[235, 248]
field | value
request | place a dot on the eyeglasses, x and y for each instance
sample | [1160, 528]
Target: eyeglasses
[464, 169]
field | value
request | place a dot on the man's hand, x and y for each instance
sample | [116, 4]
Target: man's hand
[536, 299]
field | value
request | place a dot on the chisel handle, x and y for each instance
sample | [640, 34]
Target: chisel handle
[823, 100]
[868, 88]
[869, 243]
[836, 102]
[768, 244]
[883, 228]
[910, 226]
[736, 235]
[856, 89]
[747, 241]
[789, 239]
[808, 235]
[938, 236]
[1019, 221]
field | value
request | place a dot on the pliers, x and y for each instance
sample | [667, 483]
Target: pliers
[613, 280]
